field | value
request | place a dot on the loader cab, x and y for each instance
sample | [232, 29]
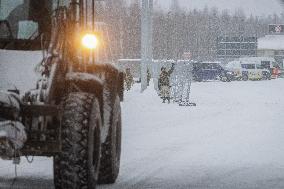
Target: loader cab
[25, 24]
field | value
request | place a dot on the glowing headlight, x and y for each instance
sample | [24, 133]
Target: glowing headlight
[89, 41]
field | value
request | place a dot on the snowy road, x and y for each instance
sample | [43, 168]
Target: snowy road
[233, 139]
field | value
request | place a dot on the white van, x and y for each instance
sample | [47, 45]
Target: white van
[254, 71]
[248, 70]
[266, 62]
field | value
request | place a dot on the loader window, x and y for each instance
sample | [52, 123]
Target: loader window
[24, 21]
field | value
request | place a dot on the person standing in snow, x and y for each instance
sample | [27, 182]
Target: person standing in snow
[128, 79]
[164, 83]
[148, 77]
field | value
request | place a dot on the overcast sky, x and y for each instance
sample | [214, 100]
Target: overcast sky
[256, 7]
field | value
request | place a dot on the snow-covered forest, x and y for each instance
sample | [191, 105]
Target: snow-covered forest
[178, 31]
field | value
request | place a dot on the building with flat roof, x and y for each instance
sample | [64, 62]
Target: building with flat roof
[272, 46]
[231, 47]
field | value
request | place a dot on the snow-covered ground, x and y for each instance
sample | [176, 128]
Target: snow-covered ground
[232, 139]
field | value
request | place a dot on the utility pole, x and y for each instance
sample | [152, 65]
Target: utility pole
[175, 7]
[146, 40]
[1, 16]
[150, 13]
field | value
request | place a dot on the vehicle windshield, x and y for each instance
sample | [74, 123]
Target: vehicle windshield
[258, 66]
[266, 64]
[207, 66]
[248, 66]
[24, 19]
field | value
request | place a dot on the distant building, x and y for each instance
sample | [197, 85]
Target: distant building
[236, 47]
[272, 46]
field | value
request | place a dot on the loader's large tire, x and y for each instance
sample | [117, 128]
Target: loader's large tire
[56, 172]
[111, 149]
[77, 167]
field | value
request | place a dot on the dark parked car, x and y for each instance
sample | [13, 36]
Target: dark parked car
[204, 71]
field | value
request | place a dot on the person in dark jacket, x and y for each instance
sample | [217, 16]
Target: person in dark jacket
[148, 77]
[129, 81]
[164, 83]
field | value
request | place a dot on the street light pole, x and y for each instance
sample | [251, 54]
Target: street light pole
[146, 41]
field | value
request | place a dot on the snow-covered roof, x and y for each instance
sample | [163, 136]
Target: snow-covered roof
[271, 42]
[208, 62]
[129, 60]
[257, 59]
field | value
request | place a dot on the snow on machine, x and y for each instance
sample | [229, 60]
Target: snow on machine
[73, 114]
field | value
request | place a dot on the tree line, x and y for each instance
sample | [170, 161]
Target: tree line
[178, 31]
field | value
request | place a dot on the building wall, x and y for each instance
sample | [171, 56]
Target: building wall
[277, 54]
[266, 52]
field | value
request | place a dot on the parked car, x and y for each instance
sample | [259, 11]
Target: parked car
[204, 71]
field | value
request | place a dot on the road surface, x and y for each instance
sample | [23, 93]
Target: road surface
[233, 139]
